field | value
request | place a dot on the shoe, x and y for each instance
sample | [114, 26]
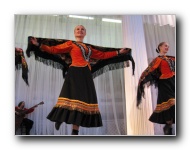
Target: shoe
[57, 125]
[27, 132]
[167, 130]
[75, 132]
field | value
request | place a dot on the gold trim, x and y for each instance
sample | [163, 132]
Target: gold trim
[79, 66]
[165, 105]
[73, 104]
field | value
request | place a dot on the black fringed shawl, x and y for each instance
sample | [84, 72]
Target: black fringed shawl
[63, 61]
[150, 77]
[20, 62]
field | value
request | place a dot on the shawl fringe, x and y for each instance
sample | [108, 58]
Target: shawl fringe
[149, 80]
[109, 68]
[63, 61]
[20, 63]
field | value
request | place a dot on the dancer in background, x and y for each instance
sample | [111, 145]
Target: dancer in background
[161, 72]
[20, 62]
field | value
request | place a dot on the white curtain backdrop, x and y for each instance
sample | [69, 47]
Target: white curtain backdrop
[159, 28]
[46, 82]
[116, 90]
[143, 33]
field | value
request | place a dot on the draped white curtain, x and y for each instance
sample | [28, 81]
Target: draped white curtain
[116, 90]
[143, 33]
[159, 28]
[45, 82]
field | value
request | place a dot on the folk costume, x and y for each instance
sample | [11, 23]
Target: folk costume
[20, 62]
[28, 123]
[81, 62]
[161, 73]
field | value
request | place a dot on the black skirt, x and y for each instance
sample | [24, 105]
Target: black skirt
[165, 108]
[77, 103]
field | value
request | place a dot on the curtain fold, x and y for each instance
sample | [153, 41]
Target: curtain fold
[46, 82]
[157, 29]
[137, 119]
[116, 90]
[143, 33]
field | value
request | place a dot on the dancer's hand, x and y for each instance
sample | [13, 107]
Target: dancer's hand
[34, 41]
[123, 51]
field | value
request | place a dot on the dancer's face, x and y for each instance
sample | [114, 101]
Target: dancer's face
[164, 48]
[80, 31]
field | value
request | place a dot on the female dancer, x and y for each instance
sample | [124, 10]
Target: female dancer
[161, 71]
[77, 103]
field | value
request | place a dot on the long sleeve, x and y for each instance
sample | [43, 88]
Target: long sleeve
[58, 49]
[29, 110]
[150, 74]
[96, 54]
[151, 67]
[62, 53]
